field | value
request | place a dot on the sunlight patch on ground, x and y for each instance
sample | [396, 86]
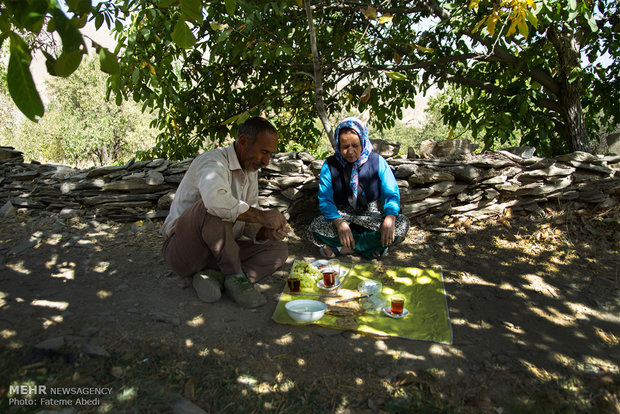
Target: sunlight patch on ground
[286, 339]
[7, 333]
[65, 273]
[480, 325]
[581, 310]
[608, 338]
[381, 345]
[437, 350]
[538, 284]
[539, 373]
[127, 394]
[196, 321]
[189, 343]
[563, 359]
[259, 388]
[515, 329]
[52, 320]
[606, 365]
[554, 316]
[101, 267]
[54, 239]
[471, 279]
[19, 267]
[52, 261]
[50, 304]
[104, 294]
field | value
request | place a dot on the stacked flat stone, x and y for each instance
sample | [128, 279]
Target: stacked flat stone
[468, 186]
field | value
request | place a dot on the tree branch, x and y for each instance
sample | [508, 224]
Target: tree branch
[318, 77]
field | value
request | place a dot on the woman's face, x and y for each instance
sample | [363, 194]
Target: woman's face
[350, 146]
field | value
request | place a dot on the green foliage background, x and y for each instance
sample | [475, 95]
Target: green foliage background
[80, 126]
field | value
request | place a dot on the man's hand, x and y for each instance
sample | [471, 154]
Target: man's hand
[272, 234]
[345, 234]
[271, 219]
[387, 230]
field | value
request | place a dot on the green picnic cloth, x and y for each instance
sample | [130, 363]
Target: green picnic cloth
[425, 299]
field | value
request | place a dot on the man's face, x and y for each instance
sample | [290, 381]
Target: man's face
[254, 157]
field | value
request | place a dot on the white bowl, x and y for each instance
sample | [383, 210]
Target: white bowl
[305, 310]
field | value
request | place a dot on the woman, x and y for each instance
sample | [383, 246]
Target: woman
[358, 197]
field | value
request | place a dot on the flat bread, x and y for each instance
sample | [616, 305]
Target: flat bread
[347, 309]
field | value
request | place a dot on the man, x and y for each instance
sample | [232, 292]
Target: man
[214, 207]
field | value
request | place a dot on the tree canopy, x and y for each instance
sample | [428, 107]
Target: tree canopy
[522, 67]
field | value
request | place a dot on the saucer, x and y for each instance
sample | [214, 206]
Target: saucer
[389, 313]
[321, 285]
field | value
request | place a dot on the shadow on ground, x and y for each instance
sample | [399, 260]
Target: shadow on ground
[533, 302]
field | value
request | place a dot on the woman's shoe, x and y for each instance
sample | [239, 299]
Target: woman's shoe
[333, 251]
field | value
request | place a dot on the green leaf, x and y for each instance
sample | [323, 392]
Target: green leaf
[79, 6]
[98, 21]
[396, 76]
[80, 22]
[67, 63]
[192, 10]
[20, 82]
[231, 119]
[572, 4]
[573, 15]
[218, 26]
[108, 62]
[523, 29]
[71, 37]
[182, 35]
[231, 6]
[166, 3]
[531, 17]
[31, 14]
[135, 75]
[385, 18]
[50, 63]
[244, 117]
[591, 22]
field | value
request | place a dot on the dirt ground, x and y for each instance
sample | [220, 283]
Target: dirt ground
[533, 299]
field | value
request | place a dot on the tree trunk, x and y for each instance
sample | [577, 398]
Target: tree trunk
[319, 103]
[568, 48]
[572, 113]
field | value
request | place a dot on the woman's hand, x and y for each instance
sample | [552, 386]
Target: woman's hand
[387, 230]
[345, 234]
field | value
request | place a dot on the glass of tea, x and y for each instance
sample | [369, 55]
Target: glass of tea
[294, 284]
[397, 304]
[329, 277]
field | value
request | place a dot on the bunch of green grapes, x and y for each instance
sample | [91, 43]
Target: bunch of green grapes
[308, 274]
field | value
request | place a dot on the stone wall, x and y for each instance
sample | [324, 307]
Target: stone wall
[473, 186]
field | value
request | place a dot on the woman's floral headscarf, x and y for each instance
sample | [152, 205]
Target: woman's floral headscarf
[359, 127]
